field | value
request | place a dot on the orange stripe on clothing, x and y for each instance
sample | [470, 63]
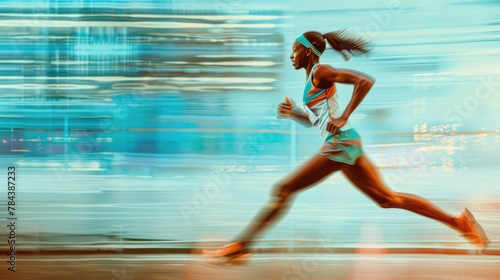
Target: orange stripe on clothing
[318, 99]
[331, 91]
[328, 93]
[313, 90]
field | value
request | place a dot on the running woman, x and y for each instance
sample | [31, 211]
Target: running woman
[341, 150]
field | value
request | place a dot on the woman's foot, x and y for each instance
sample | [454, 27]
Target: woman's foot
[232, 252]
[471, 229]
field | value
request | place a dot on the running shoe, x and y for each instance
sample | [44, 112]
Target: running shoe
[229, 253]
[472, 230]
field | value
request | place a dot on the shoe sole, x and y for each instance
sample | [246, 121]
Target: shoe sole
[230, 259]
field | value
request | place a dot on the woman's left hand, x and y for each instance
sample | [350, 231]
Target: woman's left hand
[335, 124]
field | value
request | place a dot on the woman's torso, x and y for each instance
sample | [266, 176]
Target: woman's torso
[323, 103]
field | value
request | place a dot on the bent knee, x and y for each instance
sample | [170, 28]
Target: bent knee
[283, 190]
[391, 202]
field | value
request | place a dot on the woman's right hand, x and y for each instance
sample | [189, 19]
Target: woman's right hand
[285, 109]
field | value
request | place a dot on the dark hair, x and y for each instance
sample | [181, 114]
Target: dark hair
[339, 41]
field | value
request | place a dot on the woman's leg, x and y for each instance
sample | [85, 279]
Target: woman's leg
[310, 173]
[366, 178]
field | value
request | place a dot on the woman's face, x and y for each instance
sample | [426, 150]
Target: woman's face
[299, 55]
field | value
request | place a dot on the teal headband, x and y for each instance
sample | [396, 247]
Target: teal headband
[304, 42]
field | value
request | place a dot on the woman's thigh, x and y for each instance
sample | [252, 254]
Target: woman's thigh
[365, 176]
[313, 171]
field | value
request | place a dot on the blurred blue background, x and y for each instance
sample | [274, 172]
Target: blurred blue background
[152, 123]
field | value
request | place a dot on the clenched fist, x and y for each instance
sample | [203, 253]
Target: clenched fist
[285, 108]
[334, 124]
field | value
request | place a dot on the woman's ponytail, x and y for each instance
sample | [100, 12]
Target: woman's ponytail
[346, 46]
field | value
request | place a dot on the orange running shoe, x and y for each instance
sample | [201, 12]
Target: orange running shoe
[472, 230]
[229, 253]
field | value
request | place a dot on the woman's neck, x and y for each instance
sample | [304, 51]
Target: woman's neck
[310, 66]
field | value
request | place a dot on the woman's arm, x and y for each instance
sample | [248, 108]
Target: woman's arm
[288, 110]
[326, 75]
[300, 116]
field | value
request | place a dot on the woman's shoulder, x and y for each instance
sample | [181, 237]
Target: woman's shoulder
[320, 68]
[322, 71]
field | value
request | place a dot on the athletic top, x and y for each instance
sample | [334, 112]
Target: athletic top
[321, 105]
